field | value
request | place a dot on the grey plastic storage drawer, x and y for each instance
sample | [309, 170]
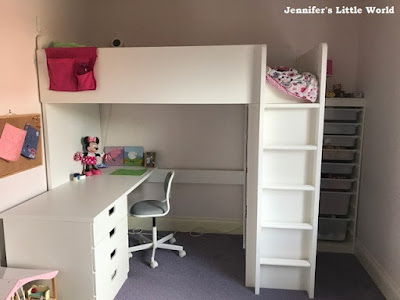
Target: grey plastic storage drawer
[336, 184]
[340, 169]
[333, 155]
[341, 115]
[332, 229]
[331, 203]
[346, 142]
[346, 129]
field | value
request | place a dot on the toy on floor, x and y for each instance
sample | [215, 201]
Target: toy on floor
[90, 155]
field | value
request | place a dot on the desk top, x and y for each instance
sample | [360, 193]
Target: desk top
[79, 201]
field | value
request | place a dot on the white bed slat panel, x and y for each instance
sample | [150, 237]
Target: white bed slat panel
[189, 74]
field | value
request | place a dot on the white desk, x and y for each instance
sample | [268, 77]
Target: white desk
[79, 228]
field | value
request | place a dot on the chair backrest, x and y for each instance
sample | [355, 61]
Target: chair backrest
[167, 188]
[167, 184]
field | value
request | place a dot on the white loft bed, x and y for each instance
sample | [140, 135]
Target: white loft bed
[215, 75]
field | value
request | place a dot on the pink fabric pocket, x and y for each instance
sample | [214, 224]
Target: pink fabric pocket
[62, 74]
[86, 81]
[71, 69]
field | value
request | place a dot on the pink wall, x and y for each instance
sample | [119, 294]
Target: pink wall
[21, 21]
[18, 91]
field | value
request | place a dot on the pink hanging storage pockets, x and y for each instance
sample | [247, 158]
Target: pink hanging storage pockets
[71, 69]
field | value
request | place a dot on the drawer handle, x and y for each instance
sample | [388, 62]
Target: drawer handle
[113, 253]
[111, 210]
[114, 274]
[112, 232]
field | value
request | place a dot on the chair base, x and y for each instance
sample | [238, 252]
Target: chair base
[154, 244]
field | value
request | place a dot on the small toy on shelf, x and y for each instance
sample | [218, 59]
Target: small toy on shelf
[90, 155]
[330, 94]
[38, 292]
[337, 89]
[338, 93]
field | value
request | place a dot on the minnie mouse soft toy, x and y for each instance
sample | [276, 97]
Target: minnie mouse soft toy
[89, 157]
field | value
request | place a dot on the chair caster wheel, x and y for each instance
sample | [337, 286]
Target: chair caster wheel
[154, 264]
[130, 255]
[182, 253]
[172, 240]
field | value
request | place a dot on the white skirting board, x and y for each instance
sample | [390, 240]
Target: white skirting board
[189, 225]
[388, 287]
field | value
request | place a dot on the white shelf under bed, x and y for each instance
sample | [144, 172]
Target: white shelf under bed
[287, 225]
[292, 105]
[291, 147]
[285, 262]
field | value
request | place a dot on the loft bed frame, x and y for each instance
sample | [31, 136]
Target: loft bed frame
[212, 75]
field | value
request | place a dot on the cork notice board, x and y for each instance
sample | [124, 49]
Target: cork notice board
[8, 168]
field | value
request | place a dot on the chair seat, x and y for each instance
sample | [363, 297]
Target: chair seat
[149, 207]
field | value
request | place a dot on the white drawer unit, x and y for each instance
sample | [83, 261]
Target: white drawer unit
[84, 238]
[340, 174]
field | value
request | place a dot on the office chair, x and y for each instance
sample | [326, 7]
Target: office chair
[153, 209]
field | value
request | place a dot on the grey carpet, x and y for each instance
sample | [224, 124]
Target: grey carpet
[214, 269]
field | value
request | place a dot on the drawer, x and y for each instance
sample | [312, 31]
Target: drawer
[116, 283]
[332, 229]
[110, 276]
[343, 114]
[343, 142]
[108, 219]
[332, 203]
[346, 129]
[105, 252]
[337, 155]
[337, 184]
[111, 290]
[337, 169]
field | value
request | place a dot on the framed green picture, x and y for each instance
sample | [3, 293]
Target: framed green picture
[133, 156]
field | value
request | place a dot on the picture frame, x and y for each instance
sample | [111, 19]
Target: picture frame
[150, 159]
[133, 156]
[117, 155]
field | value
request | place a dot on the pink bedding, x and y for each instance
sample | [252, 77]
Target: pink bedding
[290, 81]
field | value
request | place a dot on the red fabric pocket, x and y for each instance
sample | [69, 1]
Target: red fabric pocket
[86, 82]
[71, 69]
[62, 74]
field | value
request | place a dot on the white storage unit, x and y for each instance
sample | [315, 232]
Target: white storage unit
[284, 168]
[340, 172]
[79, 229]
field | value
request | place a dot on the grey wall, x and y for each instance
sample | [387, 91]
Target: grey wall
[206, 22]
[378, 225]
